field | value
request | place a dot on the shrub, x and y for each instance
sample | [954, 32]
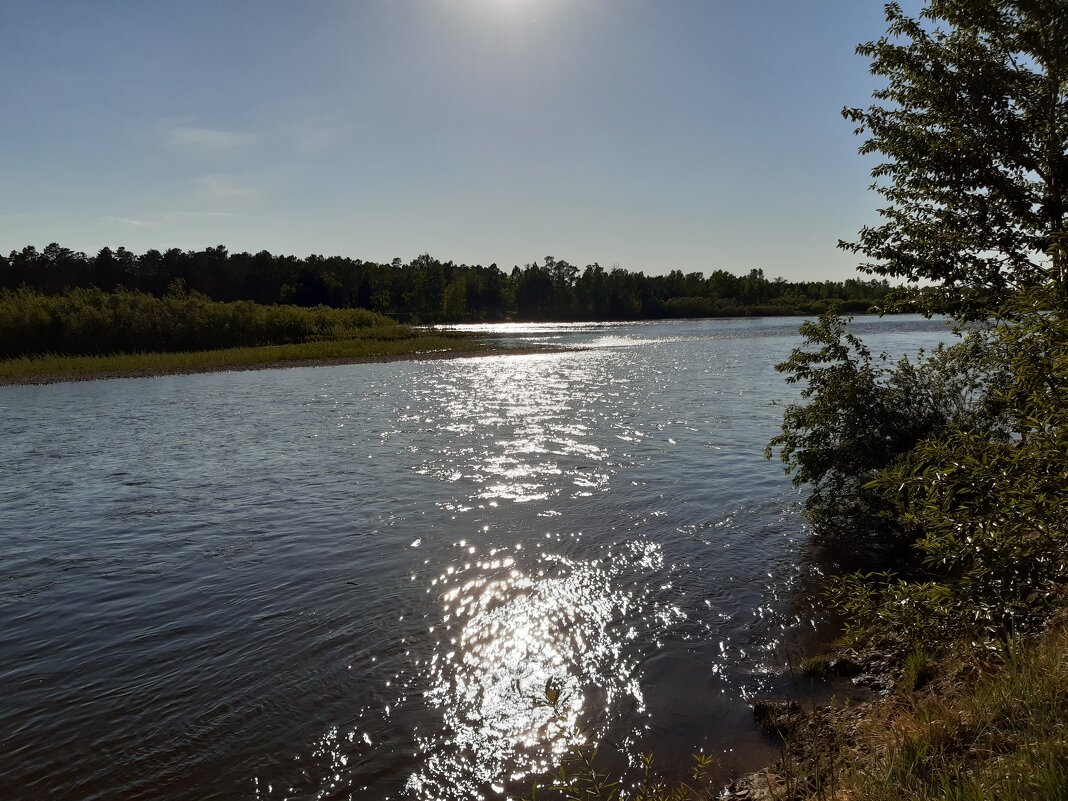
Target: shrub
[864, 412]
[990, 515]
[93, 322]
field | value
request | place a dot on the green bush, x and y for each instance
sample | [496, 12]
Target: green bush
[863, 412]
[92, 322]
[954, 464]
[990, 514]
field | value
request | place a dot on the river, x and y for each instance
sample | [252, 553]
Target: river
[358, 581]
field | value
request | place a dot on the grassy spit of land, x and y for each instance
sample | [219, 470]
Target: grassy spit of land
[89, 334]
[51, 369]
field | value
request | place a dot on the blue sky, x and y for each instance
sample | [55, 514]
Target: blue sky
[653, 134]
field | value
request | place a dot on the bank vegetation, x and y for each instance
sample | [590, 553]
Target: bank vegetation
[949, 470]
[89, 333]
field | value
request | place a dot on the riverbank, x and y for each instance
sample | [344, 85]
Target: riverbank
[59, 369]
[969, 725]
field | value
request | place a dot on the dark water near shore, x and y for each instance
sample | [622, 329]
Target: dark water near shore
[354, 581]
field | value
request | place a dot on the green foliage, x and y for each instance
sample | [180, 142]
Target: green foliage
[828, 664]
[991, 515]
[428, 290]
[961, 455]
[982, 499]
[918, 669]
[882, 609]
[972, 123]
[91, 322]
[863, 412]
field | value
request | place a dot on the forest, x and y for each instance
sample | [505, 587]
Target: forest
[427, 290]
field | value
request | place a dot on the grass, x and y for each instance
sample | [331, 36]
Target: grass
[52, 368]
[827, 664]
[1000, 734]
[978, 728]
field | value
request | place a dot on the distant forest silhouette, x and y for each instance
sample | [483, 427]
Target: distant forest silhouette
[427, 290]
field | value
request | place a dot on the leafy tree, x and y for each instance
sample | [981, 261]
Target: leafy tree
[972, 125]
[534, 291]
[454, 302]
[973, 128]
[960, 456]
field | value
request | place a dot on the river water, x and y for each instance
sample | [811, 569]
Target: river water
[359, 581]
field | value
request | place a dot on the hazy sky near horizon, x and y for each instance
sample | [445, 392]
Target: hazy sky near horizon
[652, 134]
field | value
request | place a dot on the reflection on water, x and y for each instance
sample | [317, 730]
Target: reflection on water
[510, 633]
[517, 619]
[509, 640]
[524, 424]
[360, 582]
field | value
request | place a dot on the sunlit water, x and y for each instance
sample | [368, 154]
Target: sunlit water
[361, 581]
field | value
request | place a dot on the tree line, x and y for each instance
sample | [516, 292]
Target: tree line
[427, 290]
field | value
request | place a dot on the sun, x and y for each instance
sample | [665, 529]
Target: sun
[513, 6]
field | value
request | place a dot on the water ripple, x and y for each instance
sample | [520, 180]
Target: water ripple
[363, 581]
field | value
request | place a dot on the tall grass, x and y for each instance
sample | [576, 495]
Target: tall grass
[91, 322]
[983, 729]
[1002, 734]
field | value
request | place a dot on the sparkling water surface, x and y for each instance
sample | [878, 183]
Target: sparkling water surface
[360, 581]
